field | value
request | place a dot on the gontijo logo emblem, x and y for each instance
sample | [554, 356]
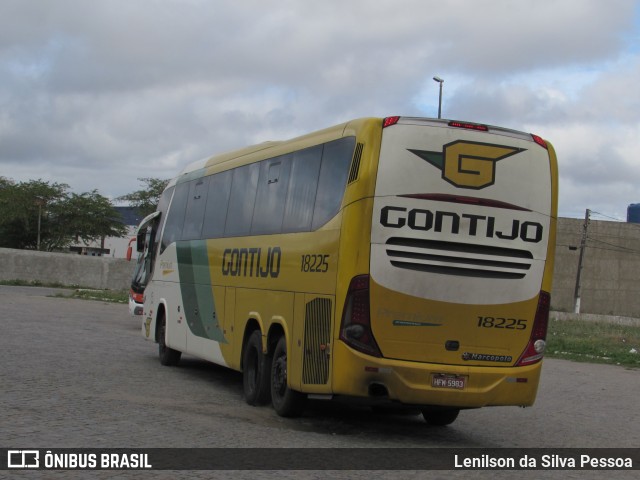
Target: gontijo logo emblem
[468, 164]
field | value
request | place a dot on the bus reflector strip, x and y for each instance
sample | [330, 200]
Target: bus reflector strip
[517, 380]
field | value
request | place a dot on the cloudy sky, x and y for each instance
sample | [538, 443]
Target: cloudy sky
[98, 93]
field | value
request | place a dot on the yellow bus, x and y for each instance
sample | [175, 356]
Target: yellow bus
[396, 260]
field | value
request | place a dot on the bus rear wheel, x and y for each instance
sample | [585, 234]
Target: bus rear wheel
[286, 402]
[168, 356]
[256, 368]
[440, 417]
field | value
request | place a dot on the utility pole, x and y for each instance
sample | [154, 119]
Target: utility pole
[583, 244]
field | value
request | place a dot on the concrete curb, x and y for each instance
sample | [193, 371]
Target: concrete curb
[590, 317]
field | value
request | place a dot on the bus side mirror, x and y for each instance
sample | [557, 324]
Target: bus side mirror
[140, 240]
[130, 250]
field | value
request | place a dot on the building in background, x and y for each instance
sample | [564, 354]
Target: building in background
[633, 213]
[115, 247]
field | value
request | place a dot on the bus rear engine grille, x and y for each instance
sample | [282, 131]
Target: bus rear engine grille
[462, 259]
[317, 339]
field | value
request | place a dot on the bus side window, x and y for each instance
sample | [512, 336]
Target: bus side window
[196, 204]
[303, 185]
[163, 205]
[272, 195]
[242, 200]
[175, 218]
[336, 159]
[217, 202]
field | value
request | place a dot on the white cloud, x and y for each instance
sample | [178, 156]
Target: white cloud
[95, 94]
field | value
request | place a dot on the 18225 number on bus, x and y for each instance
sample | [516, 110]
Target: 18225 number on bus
[498, 322]
[315, 263]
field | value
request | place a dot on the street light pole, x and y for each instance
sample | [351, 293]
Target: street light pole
[39, 218]
[440, 81]
[40, 202]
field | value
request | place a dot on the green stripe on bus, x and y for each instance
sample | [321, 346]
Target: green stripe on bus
[197, 291]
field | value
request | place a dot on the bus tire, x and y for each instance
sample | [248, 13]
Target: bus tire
[440, 417]
[256, 369]
[168, 356]
[286, 402]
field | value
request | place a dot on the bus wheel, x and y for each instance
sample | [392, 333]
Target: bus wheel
[440, 417]
[286, 402]
[168, 356]
[255, 371]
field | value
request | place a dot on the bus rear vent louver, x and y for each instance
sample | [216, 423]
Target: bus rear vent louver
[462, 259]
[355, 163]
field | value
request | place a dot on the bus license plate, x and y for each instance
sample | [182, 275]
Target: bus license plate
[443, 380]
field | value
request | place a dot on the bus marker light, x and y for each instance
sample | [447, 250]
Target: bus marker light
[387, 122]
[469, 126]
[539, 141]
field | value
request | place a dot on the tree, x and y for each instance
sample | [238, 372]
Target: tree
[87, 217]
[146, 200]
[4, 182]
[24, 211]
[38, 214]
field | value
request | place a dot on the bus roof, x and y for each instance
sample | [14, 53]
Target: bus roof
[255, 152]
[245, 155]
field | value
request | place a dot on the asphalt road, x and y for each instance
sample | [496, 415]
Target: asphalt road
[77, 373]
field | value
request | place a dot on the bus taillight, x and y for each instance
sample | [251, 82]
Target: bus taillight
[137, 297]
[537, 341]
[355, 329]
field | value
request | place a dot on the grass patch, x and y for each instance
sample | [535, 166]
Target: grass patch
[113, 296]
[35, 283]
[595, 342]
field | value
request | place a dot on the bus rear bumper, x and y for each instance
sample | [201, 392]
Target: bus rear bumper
[412, 383]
